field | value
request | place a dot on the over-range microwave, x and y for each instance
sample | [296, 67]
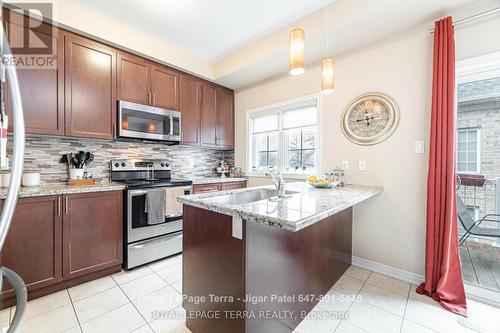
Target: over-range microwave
[145, 122]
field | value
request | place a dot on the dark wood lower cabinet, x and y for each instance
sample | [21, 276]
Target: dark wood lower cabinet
[56, 242]
[92, 229]
[214, 187]
[33, 245]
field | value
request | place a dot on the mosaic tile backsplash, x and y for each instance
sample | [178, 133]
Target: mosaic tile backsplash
[43, 154]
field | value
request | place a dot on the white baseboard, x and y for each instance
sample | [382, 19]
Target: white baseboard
[473, 292]
[388, 270]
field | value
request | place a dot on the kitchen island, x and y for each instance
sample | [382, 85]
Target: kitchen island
[253, 264]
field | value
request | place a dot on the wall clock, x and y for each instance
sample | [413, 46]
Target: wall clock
[370, 119]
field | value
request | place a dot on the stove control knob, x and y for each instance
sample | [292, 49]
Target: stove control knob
[117, 165]
[123, 164]
[166, 164]
[163, 164]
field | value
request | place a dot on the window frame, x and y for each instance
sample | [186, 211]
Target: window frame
[279, 108]
[478, 150]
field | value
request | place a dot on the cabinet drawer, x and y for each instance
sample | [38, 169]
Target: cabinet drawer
[233, 186]
[206, 188]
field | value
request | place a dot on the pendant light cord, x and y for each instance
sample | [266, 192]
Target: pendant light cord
[297, 14]
[327, 27]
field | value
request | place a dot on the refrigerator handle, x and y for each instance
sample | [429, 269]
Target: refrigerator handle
[15, 181]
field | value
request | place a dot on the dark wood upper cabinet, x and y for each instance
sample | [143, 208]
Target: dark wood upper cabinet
[90, 88]
[164, 87]
[217, 117]
[92, 232]
[208, 116]
[33, 245]
[189, 106]
[133, 79]
[225, 119]
[41, 87]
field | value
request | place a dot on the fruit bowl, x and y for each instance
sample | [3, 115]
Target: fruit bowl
[323, 184]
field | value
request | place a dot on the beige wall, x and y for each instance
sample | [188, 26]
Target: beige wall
[389, 229]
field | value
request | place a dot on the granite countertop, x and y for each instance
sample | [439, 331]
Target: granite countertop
[307, 206]
[212, 180]
[56, 189]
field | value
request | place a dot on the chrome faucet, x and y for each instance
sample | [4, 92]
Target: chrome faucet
[279, 183]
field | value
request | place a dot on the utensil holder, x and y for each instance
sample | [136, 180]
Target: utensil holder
[76, 173]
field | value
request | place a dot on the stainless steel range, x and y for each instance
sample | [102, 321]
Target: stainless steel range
[150, 192]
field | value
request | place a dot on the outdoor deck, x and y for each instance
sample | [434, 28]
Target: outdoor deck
[481, 264]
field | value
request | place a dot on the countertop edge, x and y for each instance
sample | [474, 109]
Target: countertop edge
[215, 180]
[27, 192]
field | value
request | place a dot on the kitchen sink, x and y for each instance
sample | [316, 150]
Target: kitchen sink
[241, 198]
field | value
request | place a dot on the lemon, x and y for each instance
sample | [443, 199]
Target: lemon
[312, 179]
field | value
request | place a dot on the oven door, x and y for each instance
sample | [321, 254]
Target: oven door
[144, 122]
[137, 226]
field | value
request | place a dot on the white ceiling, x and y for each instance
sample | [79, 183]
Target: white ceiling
[209, 29]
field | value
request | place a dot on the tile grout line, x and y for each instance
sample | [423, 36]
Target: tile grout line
[74, 311]
[406, 307]
[357, 294]
[130, 301]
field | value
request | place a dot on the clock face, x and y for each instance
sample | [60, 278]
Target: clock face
[370, 119]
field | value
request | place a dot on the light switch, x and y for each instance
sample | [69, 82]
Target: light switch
[362, 165]
[419, 147]
[345, 165]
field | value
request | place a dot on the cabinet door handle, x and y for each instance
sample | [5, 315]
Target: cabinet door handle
[149, 97]
[58, 206]
[154, 98]
[66, 205]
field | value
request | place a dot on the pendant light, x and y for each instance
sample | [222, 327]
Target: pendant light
[327, 64]
[297, 48]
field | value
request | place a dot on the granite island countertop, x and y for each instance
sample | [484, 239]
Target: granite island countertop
[56, 189]
[305, 207]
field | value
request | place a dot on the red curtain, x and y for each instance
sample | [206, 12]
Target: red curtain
[443, 273]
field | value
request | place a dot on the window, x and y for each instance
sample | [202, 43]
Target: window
[284, 138]
[468, 160]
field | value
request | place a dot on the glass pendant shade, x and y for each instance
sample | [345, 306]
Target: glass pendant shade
[297, 48]
[327, 75]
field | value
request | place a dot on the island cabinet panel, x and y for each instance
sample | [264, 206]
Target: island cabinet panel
[33, 245]
[133, 79]
[189, 106]
[208, 116]
[41, 88]
[306, 262]
[164, 87]
[225, 119]
[90, 88]
[213, 264]
[267, 261]
[92, 232]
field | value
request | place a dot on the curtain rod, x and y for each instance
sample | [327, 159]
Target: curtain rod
[473, 17]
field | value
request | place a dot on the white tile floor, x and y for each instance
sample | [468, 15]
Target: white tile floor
[361, 301]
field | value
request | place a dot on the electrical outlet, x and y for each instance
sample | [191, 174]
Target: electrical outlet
[345, 165]
[419, 147]
[362, 165]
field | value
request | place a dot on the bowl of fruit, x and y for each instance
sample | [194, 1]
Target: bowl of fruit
[321, 183]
